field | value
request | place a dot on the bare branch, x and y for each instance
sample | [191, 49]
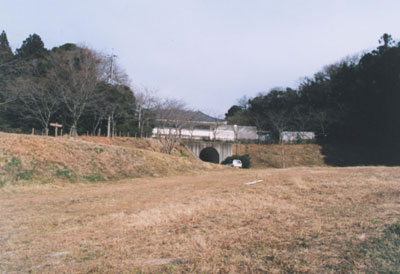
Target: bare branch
[77, 73]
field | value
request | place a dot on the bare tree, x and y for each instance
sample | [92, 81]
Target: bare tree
[96, 108]
[9, 87]
[171, 117]
[77, 73]
[146, 104]
[40, 99]
[117, 106]
[322, 119]
[191, 127]
[112, 72]
[9, 92]
[279, 120]
[105, 105]
[236, 137]
[216, 122]
[302, 121]
[325, 118]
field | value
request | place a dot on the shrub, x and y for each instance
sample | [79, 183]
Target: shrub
[25, 175]
[94, 178]
[245, 158]
[66, 174]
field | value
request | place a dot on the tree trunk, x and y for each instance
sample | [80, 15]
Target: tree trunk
[73, 132]
[140, 121]
[109, 126]
[141, 130]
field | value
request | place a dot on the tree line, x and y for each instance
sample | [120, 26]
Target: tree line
[354, 101]
[85, 91]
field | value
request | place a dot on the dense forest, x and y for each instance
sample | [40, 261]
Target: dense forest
[355, 101]
[72, 85]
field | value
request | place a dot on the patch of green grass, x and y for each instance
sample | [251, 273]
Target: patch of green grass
[14, 163]
[2, 183]
[13, 170]
[379, 255]
[66, 174]
[183, 152]
[25, 175]
[374, 221]
[94, 178]
[98, 150]
[89, 256]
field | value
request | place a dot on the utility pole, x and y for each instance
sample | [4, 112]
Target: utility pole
[110, 76]
[110, 81]
[139, 111]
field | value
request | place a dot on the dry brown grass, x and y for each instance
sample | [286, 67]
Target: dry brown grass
[279, 156]
[25, 158]
[297, 220]
[144, 143]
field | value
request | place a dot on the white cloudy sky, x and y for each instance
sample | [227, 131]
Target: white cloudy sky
[209, 52]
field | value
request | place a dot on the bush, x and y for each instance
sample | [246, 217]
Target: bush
[245, 158]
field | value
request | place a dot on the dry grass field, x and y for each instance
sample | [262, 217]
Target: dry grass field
[318, 220]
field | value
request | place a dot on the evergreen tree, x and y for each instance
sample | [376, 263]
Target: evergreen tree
[5, 49]
[32, 47]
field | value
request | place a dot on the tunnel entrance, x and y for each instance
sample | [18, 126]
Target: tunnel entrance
[209, 154]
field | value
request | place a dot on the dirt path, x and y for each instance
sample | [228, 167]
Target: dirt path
[296, 220]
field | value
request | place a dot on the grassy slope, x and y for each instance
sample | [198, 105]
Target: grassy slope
[46, 159]
[319, 155]
[281, 156]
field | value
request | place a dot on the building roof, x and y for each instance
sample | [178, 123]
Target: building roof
[199, 116]
[187, 115]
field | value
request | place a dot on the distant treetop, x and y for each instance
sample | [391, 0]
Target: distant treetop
[33, 46]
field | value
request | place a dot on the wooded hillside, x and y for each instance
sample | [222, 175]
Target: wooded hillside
[355, 101]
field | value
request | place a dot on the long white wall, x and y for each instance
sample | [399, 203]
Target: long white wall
[223, 133]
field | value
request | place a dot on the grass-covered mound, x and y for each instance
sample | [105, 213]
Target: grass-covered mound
[26, 158]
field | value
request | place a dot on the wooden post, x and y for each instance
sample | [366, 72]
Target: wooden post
[56, 126]
[33, 131]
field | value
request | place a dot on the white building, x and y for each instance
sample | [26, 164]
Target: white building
[204, 127]
[297, 136]
[218, 132]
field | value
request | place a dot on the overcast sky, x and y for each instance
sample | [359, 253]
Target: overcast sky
[209, 52]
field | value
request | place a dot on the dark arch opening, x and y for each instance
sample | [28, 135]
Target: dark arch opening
[209, 154]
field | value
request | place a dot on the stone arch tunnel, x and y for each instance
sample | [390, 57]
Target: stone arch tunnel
[214, 152]
[209, 154]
